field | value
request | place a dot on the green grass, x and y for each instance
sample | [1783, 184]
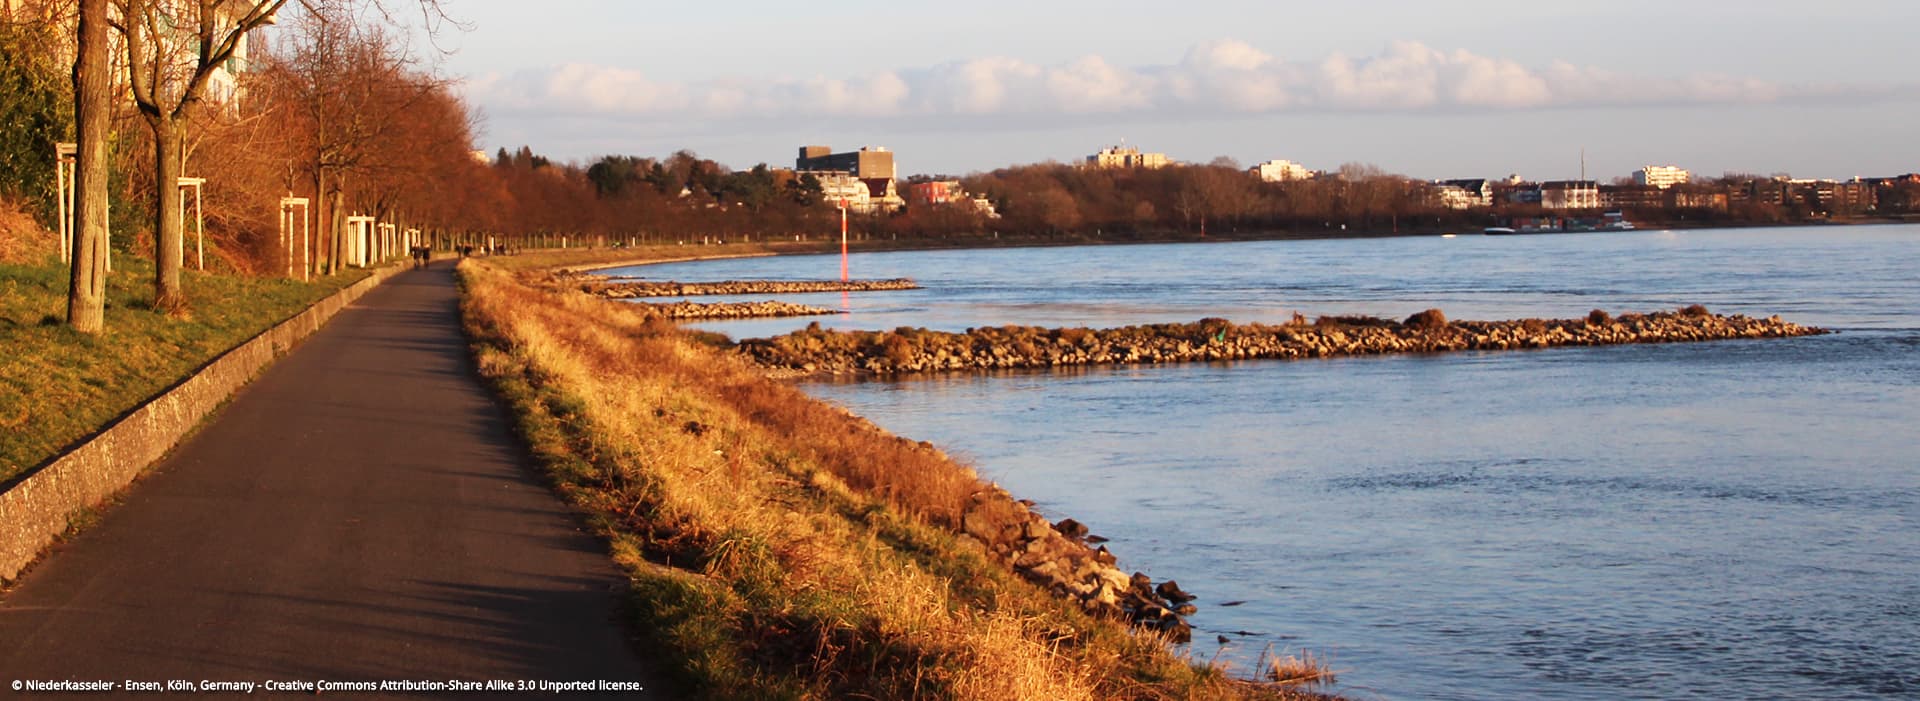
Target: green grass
[58, 386]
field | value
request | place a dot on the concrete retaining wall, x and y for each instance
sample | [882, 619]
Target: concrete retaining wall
[37, 509]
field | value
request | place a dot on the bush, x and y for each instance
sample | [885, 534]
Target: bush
[1599, 317]
[1695, 310]
[1429, 320]
[37, 112]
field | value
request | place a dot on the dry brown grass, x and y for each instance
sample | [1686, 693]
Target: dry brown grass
[22, 239]
[780, 547]
[1304, 669]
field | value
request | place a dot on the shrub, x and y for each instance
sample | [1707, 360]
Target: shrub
[1599, 317]
[1695, 310]
[896, 349]
[1429, 320]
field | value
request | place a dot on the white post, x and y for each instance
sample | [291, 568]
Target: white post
[287, 206]
[199, 219]
[63, 173]
[361, 244]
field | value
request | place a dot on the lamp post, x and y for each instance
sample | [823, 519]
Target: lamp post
[843, 239]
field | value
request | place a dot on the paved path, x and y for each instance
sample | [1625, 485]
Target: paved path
[359, 512]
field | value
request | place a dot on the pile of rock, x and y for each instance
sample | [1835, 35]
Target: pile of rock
[1058, 557]
[732, 310]
[631, 289]
[814, 350]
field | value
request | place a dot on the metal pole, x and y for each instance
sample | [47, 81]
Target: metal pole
[843, 239]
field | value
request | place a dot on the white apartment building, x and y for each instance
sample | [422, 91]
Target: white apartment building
[1280, 170]
[1662, 177]
[1570, 194]
[1127, 157]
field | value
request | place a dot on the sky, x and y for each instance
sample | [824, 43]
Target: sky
[1441, 89]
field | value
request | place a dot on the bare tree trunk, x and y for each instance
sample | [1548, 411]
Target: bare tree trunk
[322, 244]
[92, 104]
[337, 223]
[169, 240]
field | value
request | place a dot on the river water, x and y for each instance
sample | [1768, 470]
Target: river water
[1723, 520]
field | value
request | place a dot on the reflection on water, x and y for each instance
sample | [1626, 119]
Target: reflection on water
[1726, 520]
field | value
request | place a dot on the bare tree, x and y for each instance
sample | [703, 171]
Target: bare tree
[168, 70]
[349, 90]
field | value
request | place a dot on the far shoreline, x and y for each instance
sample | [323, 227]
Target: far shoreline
[761, 249]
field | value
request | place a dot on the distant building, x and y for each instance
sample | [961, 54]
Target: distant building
[862, 181]
[935, 192]
[1279, 171]
[1521, 192]
[1570, 194]
[1127, 157]
[1697, 198]
[1465, 193]
[178, 38]
[1662, 177]
[882, 196]
[841, 188]
[1632, 197]
[868, 162]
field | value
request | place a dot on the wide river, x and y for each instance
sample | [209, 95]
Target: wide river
[1724, 520]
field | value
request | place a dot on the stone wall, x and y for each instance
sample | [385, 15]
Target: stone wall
[37, 509]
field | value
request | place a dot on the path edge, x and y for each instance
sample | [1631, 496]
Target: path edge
[36, 510]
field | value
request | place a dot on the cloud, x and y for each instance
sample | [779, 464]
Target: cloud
[1224, 76]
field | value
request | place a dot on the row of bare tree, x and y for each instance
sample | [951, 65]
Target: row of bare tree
[339, 109]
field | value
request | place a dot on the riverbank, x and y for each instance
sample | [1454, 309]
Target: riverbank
[819, 351]
[589, 260]
[780, 547]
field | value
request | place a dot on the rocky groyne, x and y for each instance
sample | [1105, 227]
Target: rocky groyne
[644, 288]
[814, 350]
[695, 311]
[1059, 557]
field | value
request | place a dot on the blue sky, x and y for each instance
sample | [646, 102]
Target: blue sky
[1430, 89]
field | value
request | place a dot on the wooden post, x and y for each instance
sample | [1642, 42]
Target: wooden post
[287, 206]
[199, 219]
[63, 170]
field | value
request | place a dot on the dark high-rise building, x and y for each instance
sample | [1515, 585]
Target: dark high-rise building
[868, 162]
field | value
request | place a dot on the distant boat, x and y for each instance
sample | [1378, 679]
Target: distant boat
[1446, 236]
[1498, 231]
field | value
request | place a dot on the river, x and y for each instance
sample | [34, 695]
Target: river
[1723, 520]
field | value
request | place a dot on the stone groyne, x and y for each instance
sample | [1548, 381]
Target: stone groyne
[814, 350]
[694, 311]
[1058, 557]
[629, 289]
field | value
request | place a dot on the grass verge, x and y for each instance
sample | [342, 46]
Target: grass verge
[779, 547]
[58, 386]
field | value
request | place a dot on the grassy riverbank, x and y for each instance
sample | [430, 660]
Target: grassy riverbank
[779, 547]
[58, 386]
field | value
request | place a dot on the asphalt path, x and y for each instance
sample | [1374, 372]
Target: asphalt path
[360, 512]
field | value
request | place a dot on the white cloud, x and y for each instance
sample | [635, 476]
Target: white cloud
[1219, 76]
